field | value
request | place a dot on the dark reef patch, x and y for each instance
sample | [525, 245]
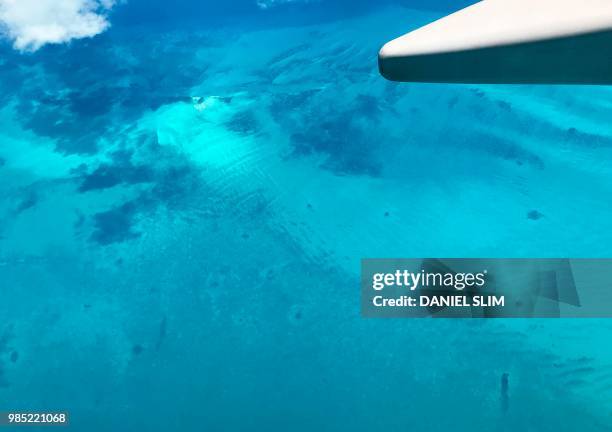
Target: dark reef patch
[243, 122]
[506, 106]
[347, 137]
[503, 149]
[534, 215]
[587, 139]
[283, 103]
[5, 338]
[452, 102]
[93, 103]
[350, 150]
[109, 175]
[174, 184]
[73, 134]
[87, 89]
[29, 200]
[367, 106]
[116, 225]
[478, 93]
[169, 181]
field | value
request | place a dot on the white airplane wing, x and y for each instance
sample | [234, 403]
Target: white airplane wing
[508, 41]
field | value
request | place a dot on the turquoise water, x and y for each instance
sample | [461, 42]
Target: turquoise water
[184, 204]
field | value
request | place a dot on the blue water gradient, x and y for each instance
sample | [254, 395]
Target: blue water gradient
[184, 201]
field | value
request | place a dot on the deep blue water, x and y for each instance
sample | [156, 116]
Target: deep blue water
[185, 200]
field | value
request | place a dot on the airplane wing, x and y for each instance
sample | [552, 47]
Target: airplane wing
[508, 41]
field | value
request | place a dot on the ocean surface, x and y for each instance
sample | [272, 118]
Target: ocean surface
[186, 197]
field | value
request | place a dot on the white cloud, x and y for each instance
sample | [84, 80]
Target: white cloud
[30, 24]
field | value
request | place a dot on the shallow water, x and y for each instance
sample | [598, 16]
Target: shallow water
[183, 209]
